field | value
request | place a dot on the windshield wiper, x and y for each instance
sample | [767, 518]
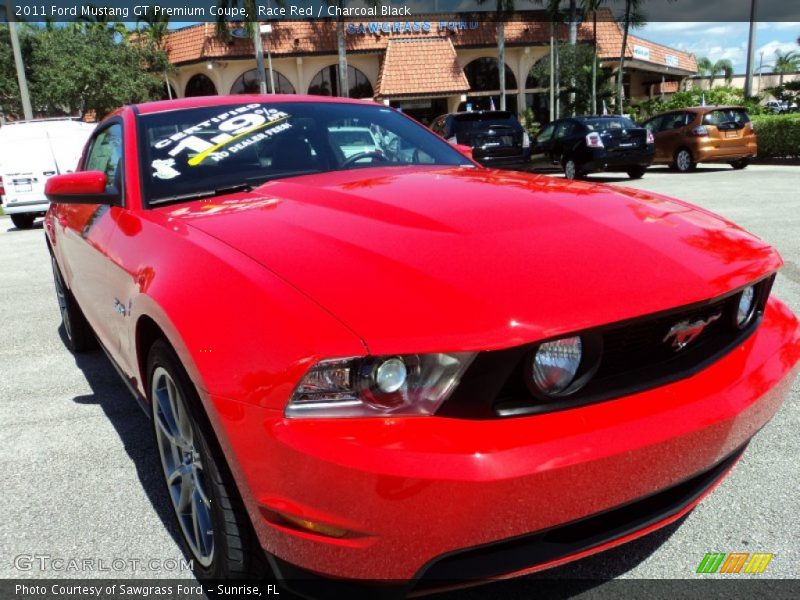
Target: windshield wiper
[220, 191]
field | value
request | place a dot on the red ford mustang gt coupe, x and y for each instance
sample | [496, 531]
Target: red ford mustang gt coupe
[383, 362]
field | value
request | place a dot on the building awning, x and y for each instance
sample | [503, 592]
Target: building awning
[420, 67]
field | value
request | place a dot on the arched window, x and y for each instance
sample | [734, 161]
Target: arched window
[483, 76]
[248, 83]
[200, 85]
[538, 75]
[326, 83]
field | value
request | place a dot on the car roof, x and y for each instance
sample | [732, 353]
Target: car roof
[204, 101]
[505, 113]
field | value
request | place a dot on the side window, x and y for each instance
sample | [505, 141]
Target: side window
[106, 156]
[545, 134]
[654, 124]
[674, 121]
[565, 129]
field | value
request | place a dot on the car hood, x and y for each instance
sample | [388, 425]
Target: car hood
[425, 259]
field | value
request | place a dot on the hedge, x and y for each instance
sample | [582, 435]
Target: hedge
[778, 135]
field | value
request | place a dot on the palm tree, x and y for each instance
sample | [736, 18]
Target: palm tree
[254, 33]
[785, 62]
[706, 68]
[502, 9]
[633, 17]
[592, 6]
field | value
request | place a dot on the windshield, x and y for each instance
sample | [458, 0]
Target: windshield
[609, 123]
[198, 152]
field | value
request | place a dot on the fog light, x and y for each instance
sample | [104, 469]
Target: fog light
[556, 364]
[746, 304]
[390, 376]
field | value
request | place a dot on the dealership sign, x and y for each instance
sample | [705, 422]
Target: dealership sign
[406, 27]
[671, 60]
[642, 52]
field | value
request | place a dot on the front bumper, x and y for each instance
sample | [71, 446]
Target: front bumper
[30, 206]
[410, 491]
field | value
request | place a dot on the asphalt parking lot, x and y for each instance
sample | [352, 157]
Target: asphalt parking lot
[80, 477]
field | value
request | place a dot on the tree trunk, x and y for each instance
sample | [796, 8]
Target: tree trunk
[594, 62]
[621, 72]
[344, 88]
[501, 61]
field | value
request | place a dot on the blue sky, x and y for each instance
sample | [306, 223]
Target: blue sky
[724, 40]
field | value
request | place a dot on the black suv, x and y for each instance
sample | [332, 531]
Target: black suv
[582, 145]
[495, 136]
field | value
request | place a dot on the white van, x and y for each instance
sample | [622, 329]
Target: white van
[30, 153]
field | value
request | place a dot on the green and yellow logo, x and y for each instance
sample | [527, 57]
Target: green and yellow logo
[736, 562]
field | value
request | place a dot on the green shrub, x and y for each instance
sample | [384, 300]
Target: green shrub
[778, 135]
[722, 96]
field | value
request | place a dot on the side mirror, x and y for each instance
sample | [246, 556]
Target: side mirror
[84, 187]
[465, 150]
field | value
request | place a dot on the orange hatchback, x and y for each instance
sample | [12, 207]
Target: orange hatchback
[687, 136]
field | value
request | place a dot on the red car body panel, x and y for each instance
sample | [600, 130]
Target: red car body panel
[251, 289]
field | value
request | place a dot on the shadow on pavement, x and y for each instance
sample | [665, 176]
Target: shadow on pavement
[132, 426]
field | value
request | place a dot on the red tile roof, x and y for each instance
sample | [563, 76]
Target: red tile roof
[295, 38]
[419, 67]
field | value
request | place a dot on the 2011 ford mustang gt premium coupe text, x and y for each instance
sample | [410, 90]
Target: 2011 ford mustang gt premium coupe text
[396, 364]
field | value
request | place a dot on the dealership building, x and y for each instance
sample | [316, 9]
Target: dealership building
[427, 66]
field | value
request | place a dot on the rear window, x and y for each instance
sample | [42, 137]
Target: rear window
[608, 123]
[736, 116]
[481, 121]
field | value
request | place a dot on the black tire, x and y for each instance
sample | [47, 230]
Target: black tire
[23, 220]
[571, 169]
[740, 164]
[684, 161]
[636, 172]
[235, 553]
[78, 334]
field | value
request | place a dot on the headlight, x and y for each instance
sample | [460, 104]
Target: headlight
[746, 305]
[556, 364]
[414, 384]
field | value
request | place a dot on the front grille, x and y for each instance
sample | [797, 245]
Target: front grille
[634, 356]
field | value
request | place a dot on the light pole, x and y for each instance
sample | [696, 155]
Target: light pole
[20, 66]
[262, 85]
[751, 49]
[267, 28]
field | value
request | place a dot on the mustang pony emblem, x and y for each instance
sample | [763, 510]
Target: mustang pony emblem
[686, 331]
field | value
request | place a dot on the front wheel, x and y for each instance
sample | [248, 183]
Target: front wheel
[571, 170]
[636, 172]
[212, 520]
[684, 161]
[23, 220]
[740, 164]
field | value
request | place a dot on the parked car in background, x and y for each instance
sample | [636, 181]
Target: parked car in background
[688, 136]
[354, 140]
[30, 153]
[588, 144]
[496, 137]
[406, 367]
[779, 106]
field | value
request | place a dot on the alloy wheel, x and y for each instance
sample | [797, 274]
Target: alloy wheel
[183, 465]
[570, 170]
[683, 160]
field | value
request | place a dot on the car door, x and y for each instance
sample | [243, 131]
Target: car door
[540, 149]
[670, 135]
[82, 232]
[564, 140]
